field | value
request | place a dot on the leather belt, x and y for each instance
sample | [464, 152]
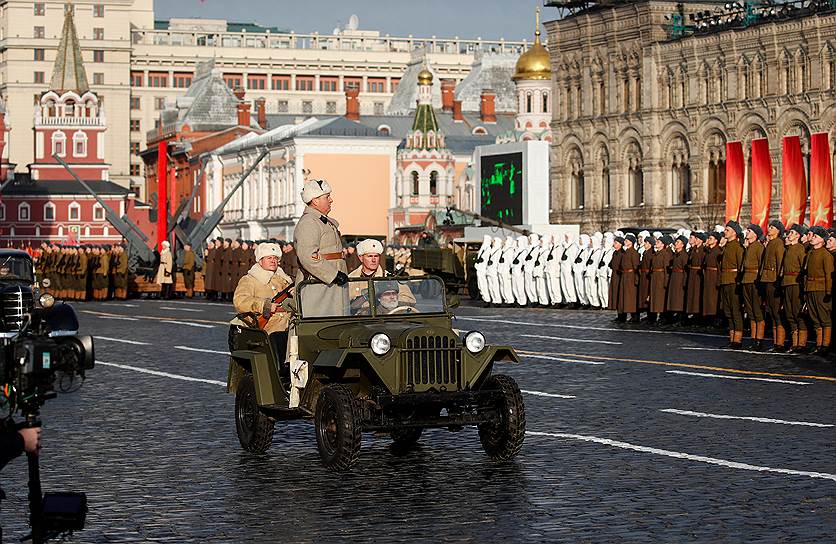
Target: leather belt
[712, 268]
[658, 269]
[336, 256]
[750, 269]
[696, 268]
[730, 270]
[680, 270]
[629, 270]
[644, 270]
[791, 273]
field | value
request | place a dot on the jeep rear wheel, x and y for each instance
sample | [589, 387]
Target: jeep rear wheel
[338, 427]
[255, 430]
[503, 439]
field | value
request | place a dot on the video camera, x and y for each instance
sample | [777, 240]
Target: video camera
[39, 349]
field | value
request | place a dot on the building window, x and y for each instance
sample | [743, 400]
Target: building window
[328, 84]
[257, 83]
[159, 103]
[98, 55]
[545, 102]
[330, 107]
[98, 10]
[307, 106]
[135, 169]
[38, 32]
[282, 107]
[135, 148]
[280, 83]
[376, 86]
[98, 78]
[59, 144]
[39, 77]
[605, 178]
[157, 80]
[79, 144]
[182, 81]
[137, 79]
[416, 185]
[98, 33]
[40, 9]
[134, 125]
[433, 183]
[23, 212]
[304, 83]
[98, 212]
[2, 212]
[135, 103]
[378, 108]
[49, 211]
[528, 103]
[39, 54]
[352, 83]
[75, 211]
[233, 81]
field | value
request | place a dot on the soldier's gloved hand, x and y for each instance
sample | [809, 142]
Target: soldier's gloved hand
[550, 257]
[589, 262]
[528, 258]
[341, 278]
[601, 264]
[516, 261]
[578, 260]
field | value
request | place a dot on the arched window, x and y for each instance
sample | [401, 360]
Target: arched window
[580, 190]
[79, 144]
[98, 212]
[59, 144]
[545, 102]
[75, 211]
[528, 101]
[433, 183]
[23, 212]
[49, 211]
[2, 212]
[415, 184]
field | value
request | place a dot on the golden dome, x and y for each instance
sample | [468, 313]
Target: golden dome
[534, 64]
[425, 77]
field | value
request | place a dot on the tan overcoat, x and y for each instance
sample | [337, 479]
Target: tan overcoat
[256, 290]
[317, 241]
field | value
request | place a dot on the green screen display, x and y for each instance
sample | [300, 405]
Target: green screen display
[501, 186]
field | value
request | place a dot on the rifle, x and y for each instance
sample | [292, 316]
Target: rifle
[279, 297]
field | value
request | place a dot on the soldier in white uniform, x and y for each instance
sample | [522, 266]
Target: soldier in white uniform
[528, 267]
[578, 269]
[506, 276]
[494, 294]
[518, 273]
[481, 266]
[540, 271]
[551, 271]
[590, 273]
[604, 270]
[567, 282]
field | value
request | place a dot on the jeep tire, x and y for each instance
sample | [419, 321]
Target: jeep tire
[504, 439]
[338, 426]
[255, 430]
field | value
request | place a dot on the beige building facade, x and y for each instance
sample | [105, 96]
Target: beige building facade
[137, 64]
[641, 118]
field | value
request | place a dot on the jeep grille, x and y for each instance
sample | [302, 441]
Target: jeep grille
[16, 306]
[431, 362]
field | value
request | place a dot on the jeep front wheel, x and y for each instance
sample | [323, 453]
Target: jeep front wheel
[338, 427]
[255, 430]
[503, 439]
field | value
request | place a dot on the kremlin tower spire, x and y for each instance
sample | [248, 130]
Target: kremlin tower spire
[68, 72]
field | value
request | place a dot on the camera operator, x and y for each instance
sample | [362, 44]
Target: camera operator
[13, 443]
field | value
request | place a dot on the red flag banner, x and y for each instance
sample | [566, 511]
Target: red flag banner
[761, 182]
[793, 183]
[162, 191]
[821, 181]
[734, 180]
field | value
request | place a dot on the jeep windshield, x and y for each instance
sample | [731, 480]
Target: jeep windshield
[16, 268]
[378, 297]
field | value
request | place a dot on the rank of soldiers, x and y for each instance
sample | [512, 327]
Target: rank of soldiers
[781, 277]
[83, 272]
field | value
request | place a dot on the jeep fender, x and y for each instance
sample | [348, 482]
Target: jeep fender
[491, 355]
[268, 388]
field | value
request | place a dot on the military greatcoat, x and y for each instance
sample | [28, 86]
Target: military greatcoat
[676, 285]
[659, 276]
[693, 293]
[710, 278]
[615, 281]
[319, 249]
[628, 294]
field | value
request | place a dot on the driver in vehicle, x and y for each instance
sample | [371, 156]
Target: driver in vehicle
[369, 252]
[390, 300]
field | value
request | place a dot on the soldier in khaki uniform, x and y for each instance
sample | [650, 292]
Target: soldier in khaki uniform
[81, 275]
[120, 278]
[320, 252]
[693, 292]
[711, 276]
[188, 269]
[791, 267]
[773, 258]
[752, 259]
[818, 283]
[100, 275]
[369, 252]
[731, 268]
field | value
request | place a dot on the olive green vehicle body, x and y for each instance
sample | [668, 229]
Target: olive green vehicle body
[456, 265]
[426, 366]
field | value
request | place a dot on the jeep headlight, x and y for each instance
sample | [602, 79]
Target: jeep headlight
[46, 300]
[474, 341]
[380, 344]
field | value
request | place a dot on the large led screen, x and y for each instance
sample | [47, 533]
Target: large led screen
[501, 186]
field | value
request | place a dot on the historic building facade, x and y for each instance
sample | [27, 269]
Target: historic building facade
[641, 117]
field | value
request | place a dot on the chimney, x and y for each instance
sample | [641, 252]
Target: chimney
[352, 103]
[448, 93]
[457, 111]
[487, 111]
[244, 114]
[261, 112]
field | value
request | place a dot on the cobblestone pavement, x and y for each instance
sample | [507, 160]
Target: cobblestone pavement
[634, 435]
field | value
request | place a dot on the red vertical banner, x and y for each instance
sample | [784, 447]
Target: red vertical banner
[821, 181]
[162, 192]
[761, 182]
[734, 180]
[793, 183]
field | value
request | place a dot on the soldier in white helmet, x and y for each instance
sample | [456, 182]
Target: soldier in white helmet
[506, 276]
[551, 271]
[493, 255]
[590, 273]
[578, 268]
[528, 268]
[539, 272]
[481, 267]
[567, 260]
[518, 272]
[604, 270]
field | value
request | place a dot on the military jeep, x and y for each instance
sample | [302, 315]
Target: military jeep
[387, 361]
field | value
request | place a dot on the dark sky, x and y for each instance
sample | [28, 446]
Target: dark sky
[490, 19]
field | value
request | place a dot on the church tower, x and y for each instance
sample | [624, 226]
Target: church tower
[533, 78]
[69, 118]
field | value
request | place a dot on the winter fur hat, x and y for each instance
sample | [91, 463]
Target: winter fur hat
[369, 245]
[267, 250]
[313, 189]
